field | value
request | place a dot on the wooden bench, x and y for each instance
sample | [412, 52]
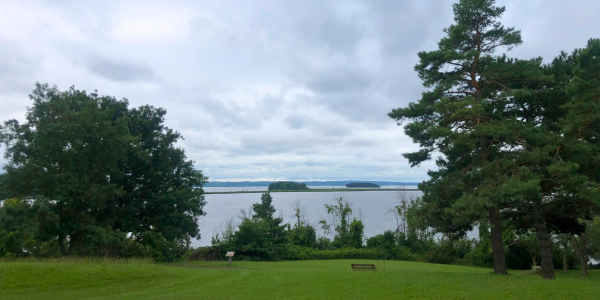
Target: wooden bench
[363, 267]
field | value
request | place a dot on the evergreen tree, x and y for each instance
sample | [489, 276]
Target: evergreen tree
[265, 209]
[466, 81]
[554, 165]
[264, 212]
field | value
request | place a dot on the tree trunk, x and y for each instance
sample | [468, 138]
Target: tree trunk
[496, 238]
[61, 245]
[565, 267]
[580, 248]
[543, 240]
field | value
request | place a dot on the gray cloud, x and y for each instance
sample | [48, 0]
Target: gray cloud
[262, 89]
[120, 70]
[339, 80]
[18, 66]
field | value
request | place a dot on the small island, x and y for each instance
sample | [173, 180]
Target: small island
[362, 185]
[287, 186]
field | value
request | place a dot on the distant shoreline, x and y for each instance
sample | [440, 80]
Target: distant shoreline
[342, 189]
[341, 183]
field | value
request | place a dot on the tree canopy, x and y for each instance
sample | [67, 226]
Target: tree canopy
[505, 133]
[101, 172]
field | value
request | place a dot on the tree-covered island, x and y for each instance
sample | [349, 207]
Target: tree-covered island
[287, 185]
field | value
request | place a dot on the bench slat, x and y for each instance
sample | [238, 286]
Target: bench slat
[363, 267]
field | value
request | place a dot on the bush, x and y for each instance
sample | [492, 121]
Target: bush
[464, 246]
[481, 256]
[302, 235]
[14, 244]
[253, 242]
[133, 249]
[295, 252]
[385, 241]
[518, 257]
[161, 250]
[444, 253]
[403, 253]
[323, 243]
[212, 253]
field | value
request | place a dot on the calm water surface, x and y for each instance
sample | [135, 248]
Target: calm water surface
[373, 206]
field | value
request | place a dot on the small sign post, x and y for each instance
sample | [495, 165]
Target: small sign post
[229, 255]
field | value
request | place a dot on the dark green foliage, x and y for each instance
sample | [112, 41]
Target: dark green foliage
[417, 244]
[464, 246]
[323, 243]
[481, 255]
[162, 189]
[294, 252]
[355, 236]
[302, 235]
[363, 185]
[3, 188]
[443, 252]
[161, 249]
[18, 229]
[482, 252]
[260, 237]
[460, 117]
[386, 241]
[345, 233]
[287, 186]
[515, 137]
[96, 174]
[253, 240]
[264, 209]
[518, 257]
[212, 253]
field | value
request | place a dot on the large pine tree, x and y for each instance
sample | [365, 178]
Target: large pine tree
[465, 80]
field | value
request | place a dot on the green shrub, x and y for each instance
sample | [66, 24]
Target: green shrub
[443, 253]
[323, 243]
[481, 256]
[253, 242]
[518, 257]
[295, 252]
[302, 235]
[212, 253]
[160, 249]
[385, 241]
[403, 253]
[134, 249]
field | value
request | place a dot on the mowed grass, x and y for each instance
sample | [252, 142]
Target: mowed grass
[326, 279]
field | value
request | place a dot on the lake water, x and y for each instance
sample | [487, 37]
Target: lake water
[373, 206]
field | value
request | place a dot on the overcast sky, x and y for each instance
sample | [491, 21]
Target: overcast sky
[261, 90]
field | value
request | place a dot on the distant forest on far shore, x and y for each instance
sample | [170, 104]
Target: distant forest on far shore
[363, 185]
[308, 183]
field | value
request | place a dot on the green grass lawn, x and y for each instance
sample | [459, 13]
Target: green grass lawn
[327, 279]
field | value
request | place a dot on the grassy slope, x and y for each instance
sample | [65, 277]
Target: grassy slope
[331, 279]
